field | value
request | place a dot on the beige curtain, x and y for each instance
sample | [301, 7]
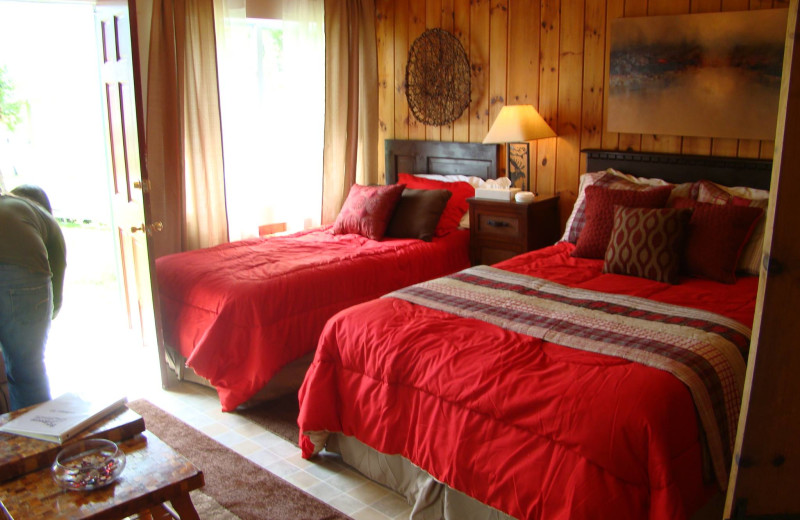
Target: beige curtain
[182, 126]
[351, 101]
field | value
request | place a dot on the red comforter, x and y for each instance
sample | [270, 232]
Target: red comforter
[531, 428]
[241, 311]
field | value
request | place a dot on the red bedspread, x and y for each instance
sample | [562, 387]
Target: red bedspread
[531, 428]
[241, 311]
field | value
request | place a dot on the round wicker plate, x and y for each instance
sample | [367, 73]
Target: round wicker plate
[437, 78]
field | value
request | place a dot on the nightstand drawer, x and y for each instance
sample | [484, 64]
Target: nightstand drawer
[505, 226]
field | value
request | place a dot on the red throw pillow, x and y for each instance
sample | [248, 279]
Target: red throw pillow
[647, 242]
[715, 238]
[456, 207]
[367, 210]
[600, 202]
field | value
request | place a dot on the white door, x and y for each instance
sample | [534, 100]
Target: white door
[130, 182]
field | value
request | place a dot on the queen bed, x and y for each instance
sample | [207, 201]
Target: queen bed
[245, 317]
[600, 377]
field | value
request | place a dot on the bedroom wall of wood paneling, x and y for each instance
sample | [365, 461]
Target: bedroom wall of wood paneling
[549, 53]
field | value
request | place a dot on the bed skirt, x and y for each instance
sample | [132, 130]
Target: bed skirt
[286, 381]
[431, 499]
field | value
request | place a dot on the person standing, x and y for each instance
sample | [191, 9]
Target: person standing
[32, 266]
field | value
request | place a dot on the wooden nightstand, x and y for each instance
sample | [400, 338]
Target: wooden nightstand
[500, 230]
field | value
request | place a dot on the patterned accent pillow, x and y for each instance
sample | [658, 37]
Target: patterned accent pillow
[647, 243]
[456, 207]
[417, 214]
[600, 202]
[716, 237]
[367, 210]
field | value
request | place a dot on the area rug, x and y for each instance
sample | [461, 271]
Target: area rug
[233, 484]
[277, 415]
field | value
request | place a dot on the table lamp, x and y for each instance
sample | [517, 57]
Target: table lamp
[518, 124]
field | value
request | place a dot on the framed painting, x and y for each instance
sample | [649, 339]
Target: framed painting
[706, 75]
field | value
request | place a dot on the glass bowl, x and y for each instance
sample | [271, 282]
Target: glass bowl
[88, 464]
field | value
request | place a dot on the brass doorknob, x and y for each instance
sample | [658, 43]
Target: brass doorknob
[155, 226]
[142, 185]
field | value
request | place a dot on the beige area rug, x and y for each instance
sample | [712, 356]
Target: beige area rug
[235, 488]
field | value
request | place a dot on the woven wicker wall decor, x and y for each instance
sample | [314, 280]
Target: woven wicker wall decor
[437, 78]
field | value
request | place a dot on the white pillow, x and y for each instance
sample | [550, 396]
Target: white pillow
[473, 181]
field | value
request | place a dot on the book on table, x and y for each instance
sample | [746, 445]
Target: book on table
[62, 418]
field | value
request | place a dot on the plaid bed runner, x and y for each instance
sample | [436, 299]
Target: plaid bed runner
[706, 351]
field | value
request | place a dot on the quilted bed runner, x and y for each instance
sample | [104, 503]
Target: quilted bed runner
[704, 350]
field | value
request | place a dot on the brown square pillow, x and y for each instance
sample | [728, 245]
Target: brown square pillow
[715, 238]
[417, 214]
[647, 243]
[367, 210]
[600, 202]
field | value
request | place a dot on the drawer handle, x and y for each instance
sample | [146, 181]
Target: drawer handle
[498, 223]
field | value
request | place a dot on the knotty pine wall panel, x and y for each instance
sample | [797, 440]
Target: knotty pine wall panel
[551, 54]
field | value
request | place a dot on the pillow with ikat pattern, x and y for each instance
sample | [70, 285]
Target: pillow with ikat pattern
[647, 242]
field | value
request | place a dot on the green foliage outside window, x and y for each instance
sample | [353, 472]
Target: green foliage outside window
[9, 109]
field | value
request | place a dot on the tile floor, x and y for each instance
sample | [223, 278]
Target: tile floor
[87, 368]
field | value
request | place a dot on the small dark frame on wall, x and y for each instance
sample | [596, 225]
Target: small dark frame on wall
[437, 78]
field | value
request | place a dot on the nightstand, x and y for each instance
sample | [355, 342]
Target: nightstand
[500, 229]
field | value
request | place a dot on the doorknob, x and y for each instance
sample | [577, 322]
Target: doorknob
[155, 226]
[142, 185]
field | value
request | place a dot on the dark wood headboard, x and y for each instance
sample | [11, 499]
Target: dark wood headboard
[440, 157]
[728, 171]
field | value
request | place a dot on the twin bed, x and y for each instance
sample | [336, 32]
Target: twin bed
[245, 317]
[550, 386]
[566, 383]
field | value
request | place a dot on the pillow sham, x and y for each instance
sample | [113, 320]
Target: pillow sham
[367, 209]
[417, 214]
[715, 238]
[600, 202]
[647, 243]
[707, 191]
[613, 179]
[456, 207]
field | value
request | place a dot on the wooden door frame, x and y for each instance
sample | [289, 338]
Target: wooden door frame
[766, 467]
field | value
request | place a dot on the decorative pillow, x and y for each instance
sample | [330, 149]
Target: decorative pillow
[417, 214]
[647, 243]
[456, 207]
[600, 202]
[616, 180]
[715, 238]
[750, 259]
[367, 210]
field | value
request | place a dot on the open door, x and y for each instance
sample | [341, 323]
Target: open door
[122, 100]
[765, 476]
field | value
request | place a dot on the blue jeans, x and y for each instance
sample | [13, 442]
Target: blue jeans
[26, 310]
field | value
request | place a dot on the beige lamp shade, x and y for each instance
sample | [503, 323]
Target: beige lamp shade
[517, 124]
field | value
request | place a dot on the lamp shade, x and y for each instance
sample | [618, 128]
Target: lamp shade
[516, 124]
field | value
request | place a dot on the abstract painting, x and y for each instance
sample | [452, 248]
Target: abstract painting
[708, 75]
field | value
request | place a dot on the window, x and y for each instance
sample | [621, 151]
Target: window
[272, 101]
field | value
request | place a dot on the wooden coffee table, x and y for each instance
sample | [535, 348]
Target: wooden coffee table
[154, 474]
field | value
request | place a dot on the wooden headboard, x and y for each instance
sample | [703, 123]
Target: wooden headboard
[440, 157]
[728, 171]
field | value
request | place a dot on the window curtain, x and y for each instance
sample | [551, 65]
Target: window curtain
[182, 125]
[271, 70]
[351, 101]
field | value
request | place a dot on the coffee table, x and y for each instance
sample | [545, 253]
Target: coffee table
[154, 474]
